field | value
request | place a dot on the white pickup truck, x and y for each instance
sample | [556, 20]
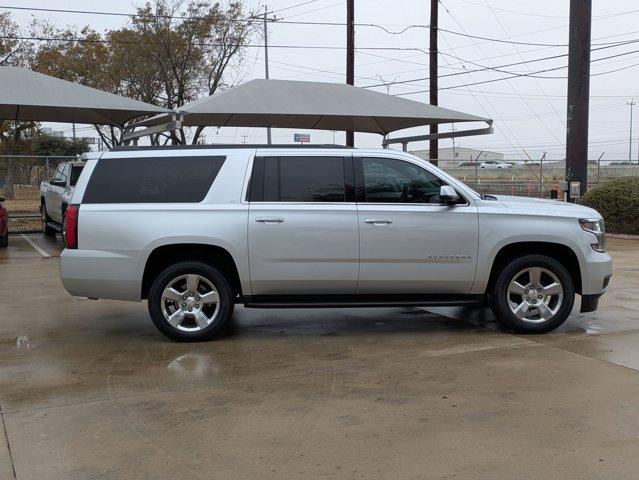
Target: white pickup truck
[55, 196]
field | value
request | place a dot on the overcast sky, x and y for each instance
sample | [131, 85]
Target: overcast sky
[529, 113]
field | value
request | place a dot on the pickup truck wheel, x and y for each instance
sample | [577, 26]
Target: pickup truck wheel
[46, 229]
[533, 294]
[190, 301]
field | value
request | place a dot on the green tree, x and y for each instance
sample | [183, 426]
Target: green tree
[51, 145]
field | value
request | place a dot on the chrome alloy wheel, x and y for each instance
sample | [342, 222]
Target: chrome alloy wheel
[190, 303]
[535, 295]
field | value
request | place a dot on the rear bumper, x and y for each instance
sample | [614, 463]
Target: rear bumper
[101, 274]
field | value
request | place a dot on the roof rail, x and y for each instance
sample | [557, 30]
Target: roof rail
[133, 148]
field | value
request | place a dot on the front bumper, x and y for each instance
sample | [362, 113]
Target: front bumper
[595, 278]
[589, 303]
[595, 273]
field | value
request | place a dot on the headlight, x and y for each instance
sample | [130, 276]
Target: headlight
[596, 227]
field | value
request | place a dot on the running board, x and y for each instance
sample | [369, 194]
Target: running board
[359, 301]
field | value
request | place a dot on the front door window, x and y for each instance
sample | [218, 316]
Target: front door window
[387, 180]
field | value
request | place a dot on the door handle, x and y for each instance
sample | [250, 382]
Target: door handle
[378, 221]
[269, 220]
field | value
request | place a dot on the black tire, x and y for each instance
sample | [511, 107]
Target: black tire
[210, 274]
[4, 239]
[500, 299]
[46, 229]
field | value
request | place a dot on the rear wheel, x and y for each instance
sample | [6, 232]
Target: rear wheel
[190, 301]
[46, 229]
[533, 294]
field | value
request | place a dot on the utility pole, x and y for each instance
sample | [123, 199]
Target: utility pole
[268, 129]
[578, 93]
[434, 147]
[632, 104]
[350, 56]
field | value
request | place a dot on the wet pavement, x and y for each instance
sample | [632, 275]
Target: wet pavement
[90, 389]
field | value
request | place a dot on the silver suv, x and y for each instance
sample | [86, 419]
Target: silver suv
[196, 230]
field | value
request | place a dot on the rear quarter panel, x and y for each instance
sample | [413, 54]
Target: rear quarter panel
[115, 240]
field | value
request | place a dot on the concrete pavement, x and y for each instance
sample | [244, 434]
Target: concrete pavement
[91, 390]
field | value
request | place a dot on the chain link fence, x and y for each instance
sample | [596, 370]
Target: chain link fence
[20, 178]
[531, 178]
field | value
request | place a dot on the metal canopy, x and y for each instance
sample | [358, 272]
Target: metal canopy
[309, 105]
[28, 95]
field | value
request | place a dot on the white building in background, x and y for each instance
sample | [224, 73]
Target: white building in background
[449, 157]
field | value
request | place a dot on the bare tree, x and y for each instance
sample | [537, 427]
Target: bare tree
[171, 53]
[13, 50]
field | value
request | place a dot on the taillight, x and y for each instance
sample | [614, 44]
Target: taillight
[71, 226]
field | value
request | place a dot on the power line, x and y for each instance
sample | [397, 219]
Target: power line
[315, 10]
[525, 102]
[137, 42]
[528, 14]
[515, 47]
[254, 19]
[295, 6]
[564, 17]
[497, 68]
[529, 75]
[501, 127]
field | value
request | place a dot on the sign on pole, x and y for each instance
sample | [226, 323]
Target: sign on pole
[302, 137]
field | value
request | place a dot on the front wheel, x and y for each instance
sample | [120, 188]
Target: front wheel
[190, 301]
[533, 294]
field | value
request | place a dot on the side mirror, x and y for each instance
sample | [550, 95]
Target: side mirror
[447, 194]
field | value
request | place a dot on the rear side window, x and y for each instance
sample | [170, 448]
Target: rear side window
[152, 180]
[76, 170]
[57, 175]
[300, 179]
